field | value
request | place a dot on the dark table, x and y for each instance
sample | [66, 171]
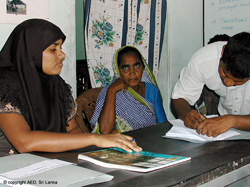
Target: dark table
[209, 160]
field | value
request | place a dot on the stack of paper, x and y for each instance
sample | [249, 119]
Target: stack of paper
[31, 170]
[180, 131]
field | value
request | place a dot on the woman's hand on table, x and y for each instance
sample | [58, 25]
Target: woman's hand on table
[122, 141]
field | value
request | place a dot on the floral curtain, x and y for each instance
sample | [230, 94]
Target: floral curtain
[110, 24]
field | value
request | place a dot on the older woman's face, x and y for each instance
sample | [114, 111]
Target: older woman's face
[53, 57]
[131, 69]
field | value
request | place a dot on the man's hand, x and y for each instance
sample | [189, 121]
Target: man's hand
[216, 126]
[193, 119]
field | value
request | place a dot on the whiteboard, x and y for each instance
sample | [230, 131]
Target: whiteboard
[225, 17]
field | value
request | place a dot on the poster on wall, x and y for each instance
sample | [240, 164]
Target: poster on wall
[16, 11]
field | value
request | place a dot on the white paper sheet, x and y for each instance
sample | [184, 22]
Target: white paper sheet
[180, 131]
[35, 168]
[58, 173]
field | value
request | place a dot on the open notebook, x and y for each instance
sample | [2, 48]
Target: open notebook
[180, 131]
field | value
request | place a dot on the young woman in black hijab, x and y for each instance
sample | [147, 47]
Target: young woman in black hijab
[37, 109]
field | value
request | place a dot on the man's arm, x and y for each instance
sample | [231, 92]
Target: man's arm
[182, 110]
[242, 122]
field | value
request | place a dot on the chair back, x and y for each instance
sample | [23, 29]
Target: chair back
[86, 106]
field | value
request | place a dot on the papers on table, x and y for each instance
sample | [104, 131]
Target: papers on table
[31, 170]
[180, 131]
[34, 169]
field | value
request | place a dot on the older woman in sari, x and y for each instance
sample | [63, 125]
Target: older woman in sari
[132, 100]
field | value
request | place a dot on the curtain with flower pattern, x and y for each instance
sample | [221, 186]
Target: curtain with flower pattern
[110, 24]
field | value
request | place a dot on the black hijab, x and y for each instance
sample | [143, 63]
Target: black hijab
[44, 100]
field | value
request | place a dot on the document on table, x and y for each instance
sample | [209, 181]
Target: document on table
[35, 169]
[31, 170]
[180, 131]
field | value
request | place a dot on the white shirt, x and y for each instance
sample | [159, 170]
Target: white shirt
[203, 69]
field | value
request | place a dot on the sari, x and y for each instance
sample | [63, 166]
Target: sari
[132, 110]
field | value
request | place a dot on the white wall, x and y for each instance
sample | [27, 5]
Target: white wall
[183, 36]
[62, 13]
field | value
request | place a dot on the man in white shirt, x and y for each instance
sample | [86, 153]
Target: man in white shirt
[225, 68]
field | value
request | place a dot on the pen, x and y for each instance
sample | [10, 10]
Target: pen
[197, 109]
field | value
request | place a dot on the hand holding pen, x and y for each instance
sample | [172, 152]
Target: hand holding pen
[201, 117]
[194, 118]
[197, 109]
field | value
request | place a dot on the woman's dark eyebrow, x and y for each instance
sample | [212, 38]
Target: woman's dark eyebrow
[138, 63]
[56, 43]
[126, 65]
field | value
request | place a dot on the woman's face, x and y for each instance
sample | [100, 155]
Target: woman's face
[131, 69]
[53, 57]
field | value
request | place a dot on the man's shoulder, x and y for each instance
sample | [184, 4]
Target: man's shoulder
[216, 46]
[209, 52]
